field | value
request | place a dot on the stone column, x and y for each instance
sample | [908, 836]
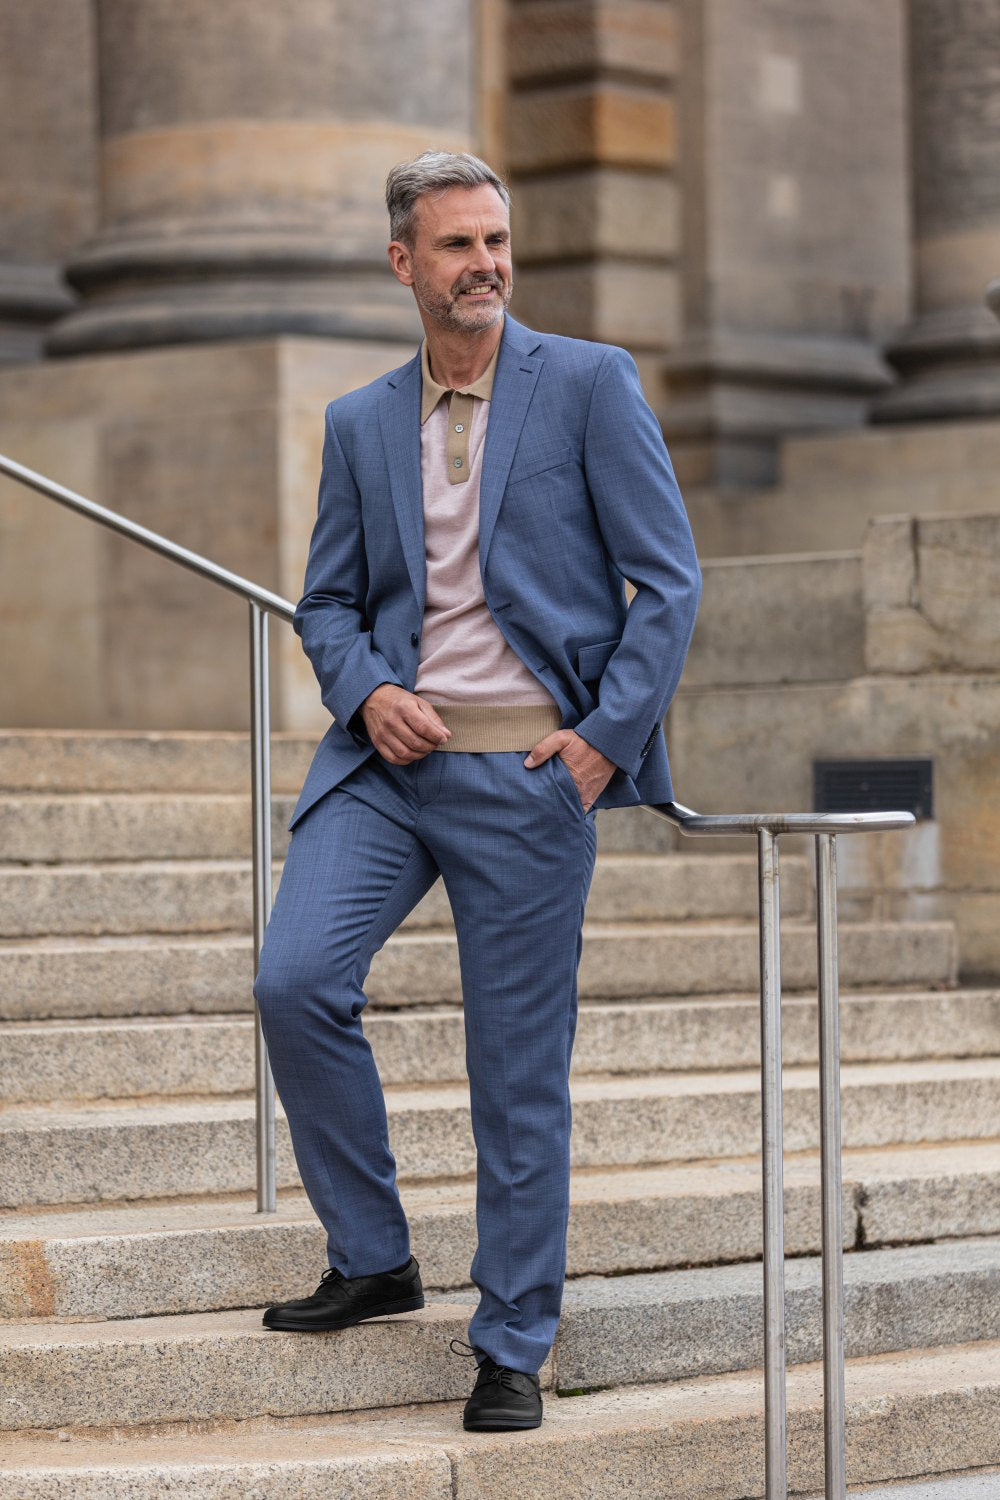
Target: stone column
[591, 140]
[243, 150]
[949, 355]
[795, 238]
[48, 134]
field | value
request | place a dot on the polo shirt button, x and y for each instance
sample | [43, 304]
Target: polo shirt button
[459, 426]
[414, 638]
[457, 462]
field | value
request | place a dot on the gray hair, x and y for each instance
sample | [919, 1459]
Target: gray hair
[433, 171]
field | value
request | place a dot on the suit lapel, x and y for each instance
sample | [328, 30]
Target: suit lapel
[399, 422]
[513, 387]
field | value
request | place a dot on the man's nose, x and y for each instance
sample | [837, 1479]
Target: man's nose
[482, 259]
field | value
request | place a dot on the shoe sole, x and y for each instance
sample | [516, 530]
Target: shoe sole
[289, 1325]
[501, 1425]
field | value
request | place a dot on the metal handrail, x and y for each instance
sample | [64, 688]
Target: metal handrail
[767, 827]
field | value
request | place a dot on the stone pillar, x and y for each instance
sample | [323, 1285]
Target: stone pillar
[793, 171]
[949, 355]
[591, 145]
[48, 135]
[243, 151]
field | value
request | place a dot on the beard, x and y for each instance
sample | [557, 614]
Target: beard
[457, 316]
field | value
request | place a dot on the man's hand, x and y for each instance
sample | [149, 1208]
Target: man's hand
[588, 767]
[401, 726]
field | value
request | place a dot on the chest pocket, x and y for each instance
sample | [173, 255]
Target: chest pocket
[539, 461]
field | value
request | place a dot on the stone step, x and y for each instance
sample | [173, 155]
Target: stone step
[199, 761]
[614, 1331]
[113, 1151]
[205, 896]
[926, 1411]
[79, 826]
[202, 1256]
[155, 975]
[208, 1055]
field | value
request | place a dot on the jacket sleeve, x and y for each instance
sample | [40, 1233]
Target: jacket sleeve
[330, 616]
[645, 529]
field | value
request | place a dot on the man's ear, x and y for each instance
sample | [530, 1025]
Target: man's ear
[401, 261]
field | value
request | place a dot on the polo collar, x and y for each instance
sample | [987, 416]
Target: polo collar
[432, 393]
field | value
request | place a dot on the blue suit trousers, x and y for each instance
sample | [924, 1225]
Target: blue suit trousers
[516, 852]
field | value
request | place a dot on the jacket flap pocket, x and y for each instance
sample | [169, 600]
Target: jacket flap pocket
[591, 660]
[538, 460]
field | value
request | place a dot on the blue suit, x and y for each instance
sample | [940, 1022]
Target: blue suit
[577, 494]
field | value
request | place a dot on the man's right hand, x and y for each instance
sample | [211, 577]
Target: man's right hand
[401, 726]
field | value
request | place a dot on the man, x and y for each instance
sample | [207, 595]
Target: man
[465, 613]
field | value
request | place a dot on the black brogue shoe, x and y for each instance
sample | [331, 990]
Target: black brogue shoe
[503, 1400]
[341, 1301]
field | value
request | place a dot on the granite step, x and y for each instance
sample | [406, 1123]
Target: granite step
[205, 896]
[110, 1151]
[140, 760]
[148, 974]
[64, 827]
[925, 1411]
[192, 1054]
[202, 1256]
[614, 1331]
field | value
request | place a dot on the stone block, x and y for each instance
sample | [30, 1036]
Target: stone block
[778, 619]
[932, 594]
[563, 37]
[113, 1151]
[832, 484]
[595, 212]
[722, 753]
[208, 445]
[928, 1411]
[613, 302]
[592, 124]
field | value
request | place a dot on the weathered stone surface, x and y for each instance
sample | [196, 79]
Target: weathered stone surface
[48, 164]
[666, 1326]
[214, 1055]
[932, 594]
[180, 763]
[561, 37]
[589, 124]
[685, 1323]
[207, 447]
[612, 301]
[927, 1411]
[774, 266]
[214, 895]
[832, 484]
[116, 1151]
[812, 606]
[156, 976]
[722, 753]
[109, 1262]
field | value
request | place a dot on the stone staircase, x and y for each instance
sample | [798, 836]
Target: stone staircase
[133, 1266]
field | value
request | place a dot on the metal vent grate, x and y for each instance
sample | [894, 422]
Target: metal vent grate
[874, 786]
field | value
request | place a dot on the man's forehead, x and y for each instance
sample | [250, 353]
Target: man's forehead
[460, 209]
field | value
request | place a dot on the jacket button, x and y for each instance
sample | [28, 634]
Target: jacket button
[414, 638]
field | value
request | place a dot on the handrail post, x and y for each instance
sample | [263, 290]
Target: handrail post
[830, 1169]
[260, 774]
[775, 1478]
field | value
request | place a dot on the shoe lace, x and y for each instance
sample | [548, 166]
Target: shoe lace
[499, 1373]
[331, 1275]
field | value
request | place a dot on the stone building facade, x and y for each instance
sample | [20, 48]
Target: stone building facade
[787, 213]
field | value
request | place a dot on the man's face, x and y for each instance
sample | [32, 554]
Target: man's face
[459, 264]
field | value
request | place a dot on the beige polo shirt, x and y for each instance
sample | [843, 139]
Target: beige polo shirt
[465, 661]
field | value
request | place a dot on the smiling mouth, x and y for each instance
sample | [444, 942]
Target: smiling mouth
[483, 290]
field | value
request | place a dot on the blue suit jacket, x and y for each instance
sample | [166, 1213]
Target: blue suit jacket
[577, 494]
